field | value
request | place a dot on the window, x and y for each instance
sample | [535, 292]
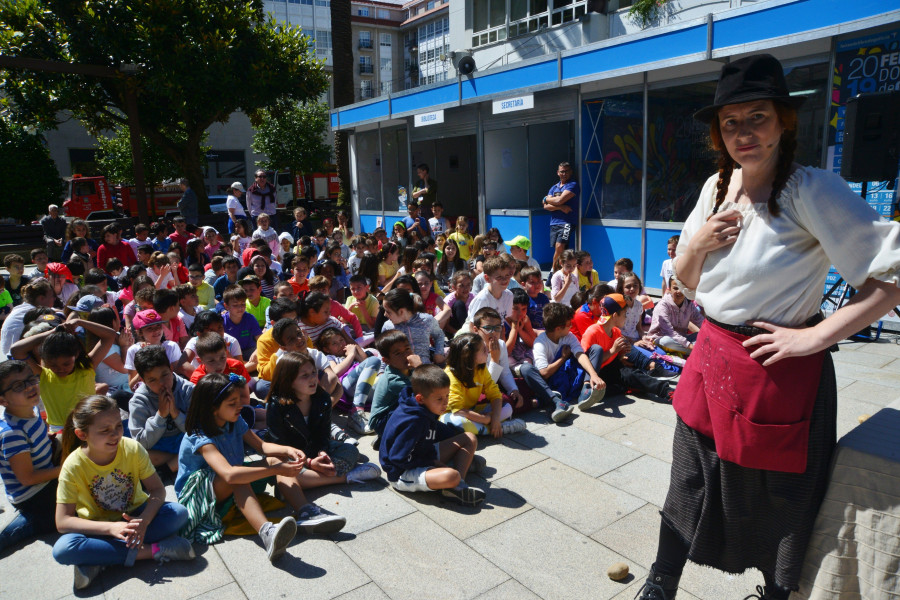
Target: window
[323, 41]
[365, 64]
[365, 89]
[386, 66]
[430, 5]
[386, 87]
[385, 40]
[325, 3]
[363, 11]
[525, 16]
[384, 14]
[365, 39]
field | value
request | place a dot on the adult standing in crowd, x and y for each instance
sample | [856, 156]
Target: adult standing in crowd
[187, 205]
[233, 205]
[562, 201]
[54, 232]
[757, 400]
[425, 190]
[261, 199]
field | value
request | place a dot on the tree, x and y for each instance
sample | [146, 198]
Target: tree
[33, 181]
[191, 63]
[342, 48]
[292, 137]
[114, 159]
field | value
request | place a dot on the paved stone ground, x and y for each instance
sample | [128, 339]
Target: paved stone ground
[563, 503]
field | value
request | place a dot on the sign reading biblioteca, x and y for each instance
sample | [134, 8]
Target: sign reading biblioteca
[430, 118]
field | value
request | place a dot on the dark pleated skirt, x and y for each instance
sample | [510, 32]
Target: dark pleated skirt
[734, 518]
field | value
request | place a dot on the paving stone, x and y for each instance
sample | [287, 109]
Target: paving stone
[849, 409]
[635, 536]
[232, 591]
[365, 506]
[566, 564]
[585, 451]
[314, 565]
[886, 376]
[510, 590]
[179, 579]
[609, 415]
[370, 591]
[415, 558]
[506, 456]
[646, 436]
[464, 521]
[867, 391]
[35, 559]
[647, 478]
[709, 584]
[883, 347]
[843, 382]
[861, 357]
[661, 412]
[578, 500]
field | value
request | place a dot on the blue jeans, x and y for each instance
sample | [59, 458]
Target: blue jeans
[80, 549]
[541, 389]
[35, 516]
[359, 381]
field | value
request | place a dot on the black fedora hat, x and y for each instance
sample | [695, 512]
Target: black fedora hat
[757, 77]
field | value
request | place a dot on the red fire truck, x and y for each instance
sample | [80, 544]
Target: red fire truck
[90, 198]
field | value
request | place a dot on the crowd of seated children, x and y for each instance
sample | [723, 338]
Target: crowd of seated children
[185, 351]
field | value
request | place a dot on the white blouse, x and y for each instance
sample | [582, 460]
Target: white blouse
[776, 269]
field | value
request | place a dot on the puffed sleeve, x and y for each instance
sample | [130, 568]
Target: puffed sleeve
[859, 242]
[694, 222]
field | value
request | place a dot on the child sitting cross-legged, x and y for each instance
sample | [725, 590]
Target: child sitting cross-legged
[356, 371]
[211, 467]
[111, 505]
[560, 366]
[26, 461]
[157, 410]
[299, 416]
[399, 361]
[476, 404]
[421, 454]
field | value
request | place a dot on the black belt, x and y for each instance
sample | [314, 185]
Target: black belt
[751, 331]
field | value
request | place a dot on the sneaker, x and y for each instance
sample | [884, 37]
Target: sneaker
[339, 435]
[660, 372]
[465, 495]
[313, 520]
[593, 398]
[669, 396]
[512, 426]
[364, 472]
[357, 422]
[376, 441]
[478, 464]
[85, 574]
[276, 537]
[174, 548]
[562, 411]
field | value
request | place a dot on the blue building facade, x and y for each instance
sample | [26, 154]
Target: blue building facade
[620, 111]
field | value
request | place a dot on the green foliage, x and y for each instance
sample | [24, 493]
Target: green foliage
[197, 62]
[114, 159]
[643, 12]
[292, 136]
[32, 179]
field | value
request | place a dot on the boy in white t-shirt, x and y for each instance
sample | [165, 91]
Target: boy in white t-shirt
[495, 295]
[560, 365]
[667, 271]
[437, 223]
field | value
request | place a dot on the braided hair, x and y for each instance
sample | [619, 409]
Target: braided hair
[787, 147]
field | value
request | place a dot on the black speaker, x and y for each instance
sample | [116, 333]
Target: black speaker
[871, 137]
[466, 65]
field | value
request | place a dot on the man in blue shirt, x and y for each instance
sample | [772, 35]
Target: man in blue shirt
[415, 222]
[562, 201]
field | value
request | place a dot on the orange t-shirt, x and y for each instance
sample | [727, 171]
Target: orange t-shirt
[232, 365]
[595, 334]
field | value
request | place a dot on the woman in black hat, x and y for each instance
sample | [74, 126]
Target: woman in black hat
[756, 402]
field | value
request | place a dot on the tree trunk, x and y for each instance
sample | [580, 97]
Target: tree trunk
[342, 76]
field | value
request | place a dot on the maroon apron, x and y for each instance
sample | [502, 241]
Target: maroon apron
[758, 416]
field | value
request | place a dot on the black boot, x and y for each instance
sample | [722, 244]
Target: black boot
[658, 587]
[764, 593]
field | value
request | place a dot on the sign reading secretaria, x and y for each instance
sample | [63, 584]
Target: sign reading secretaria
[506, 105]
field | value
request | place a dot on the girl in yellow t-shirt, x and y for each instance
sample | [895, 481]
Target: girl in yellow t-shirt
[111, 506]
[476, 403]
[462, 238]
[389, 265]
[67, 371]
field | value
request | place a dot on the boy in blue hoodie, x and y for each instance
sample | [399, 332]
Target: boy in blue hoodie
[417, 451]
[157, 410]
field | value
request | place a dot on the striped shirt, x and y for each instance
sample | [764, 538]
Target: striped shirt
[23, 435]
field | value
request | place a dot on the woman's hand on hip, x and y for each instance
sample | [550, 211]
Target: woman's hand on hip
[783, 342]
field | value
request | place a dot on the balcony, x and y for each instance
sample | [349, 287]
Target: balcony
[365, 44]
[366, 93]
[365, 69]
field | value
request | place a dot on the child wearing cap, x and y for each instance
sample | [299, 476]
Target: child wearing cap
[606, 334]
[149, 326]
[518, 247]
[213, 245]
[165, 302]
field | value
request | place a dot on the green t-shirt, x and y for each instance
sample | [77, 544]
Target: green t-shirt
[259, 311]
